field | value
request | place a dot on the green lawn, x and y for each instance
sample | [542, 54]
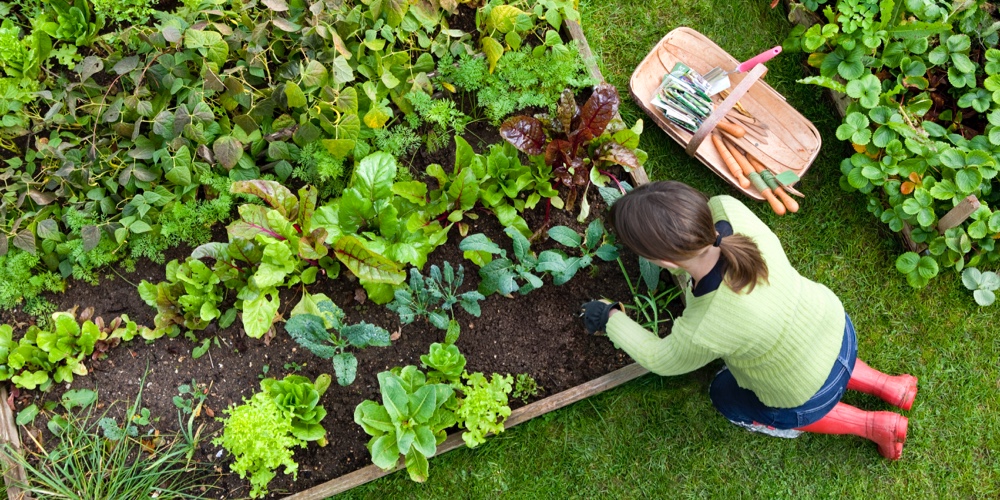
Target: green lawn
[660, 437]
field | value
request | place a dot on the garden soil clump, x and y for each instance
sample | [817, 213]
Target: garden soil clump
[540, 334]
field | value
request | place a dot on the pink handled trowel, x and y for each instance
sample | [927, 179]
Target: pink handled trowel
[718, 78]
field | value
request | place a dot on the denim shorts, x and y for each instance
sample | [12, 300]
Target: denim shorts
[742, 406]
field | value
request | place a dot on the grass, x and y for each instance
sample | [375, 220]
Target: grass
[660, 437]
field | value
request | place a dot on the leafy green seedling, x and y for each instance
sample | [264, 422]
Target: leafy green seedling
[483, 408]
[318, 325]
[435, 297]
[500, 274]
[562, 266]
[298, 397]
[525, 387]
[982, 283]
[411, 420]
[445, 362]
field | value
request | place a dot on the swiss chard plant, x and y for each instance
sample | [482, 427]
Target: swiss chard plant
[436, 299]
[577, 142]
[411, 420]
[498, 272]
[594, 243]
[317, 324]
[924, 120]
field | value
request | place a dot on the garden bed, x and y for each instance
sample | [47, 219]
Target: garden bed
[540, 335]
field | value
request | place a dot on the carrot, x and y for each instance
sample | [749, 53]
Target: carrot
[730, 162]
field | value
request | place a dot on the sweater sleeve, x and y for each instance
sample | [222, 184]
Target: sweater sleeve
[673, 355]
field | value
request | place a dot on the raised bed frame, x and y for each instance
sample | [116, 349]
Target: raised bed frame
[611, 380]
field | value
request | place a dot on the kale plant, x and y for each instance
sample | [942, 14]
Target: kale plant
[499, 273]
[317, 324]
[434, 298]
[594, 244]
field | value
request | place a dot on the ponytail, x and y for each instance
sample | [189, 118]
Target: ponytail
[745, 265]
[670, 220]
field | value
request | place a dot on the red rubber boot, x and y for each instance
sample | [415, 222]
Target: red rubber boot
[899, 390]
[885, 428]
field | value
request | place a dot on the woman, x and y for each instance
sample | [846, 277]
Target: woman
[789, 348]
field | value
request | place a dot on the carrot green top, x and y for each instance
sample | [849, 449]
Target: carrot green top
[780, 341]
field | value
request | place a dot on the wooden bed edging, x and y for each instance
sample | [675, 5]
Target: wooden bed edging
[14, 472]
[520, 415]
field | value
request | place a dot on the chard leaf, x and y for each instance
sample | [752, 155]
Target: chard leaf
[253, 221]
[525, 133]
[479, 242]
[259, 313]
[366, 264]
[373, 177]
[273, 193]
[597, 112]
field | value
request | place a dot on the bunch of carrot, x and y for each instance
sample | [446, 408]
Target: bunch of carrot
[750, 171]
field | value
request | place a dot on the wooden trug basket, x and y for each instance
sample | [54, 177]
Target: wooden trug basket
[792, 143]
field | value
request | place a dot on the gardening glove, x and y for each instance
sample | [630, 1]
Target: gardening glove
[595, 315]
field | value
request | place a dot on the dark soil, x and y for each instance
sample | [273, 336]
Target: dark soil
[539, 334]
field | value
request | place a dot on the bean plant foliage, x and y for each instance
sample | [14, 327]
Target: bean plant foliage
[924, 79]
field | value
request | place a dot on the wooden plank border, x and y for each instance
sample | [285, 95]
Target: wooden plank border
[518, 416]
[14, 473]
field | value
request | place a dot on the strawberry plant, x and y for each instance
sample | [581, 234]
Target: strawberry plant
[924, 118]
[982, 283]
[577, 143]
[317, 324]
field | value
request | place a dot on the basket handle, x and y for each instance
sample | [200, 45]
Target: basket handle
[713, 119]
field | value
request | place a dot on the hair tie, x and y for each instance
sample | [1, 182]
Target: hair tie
[718, 240]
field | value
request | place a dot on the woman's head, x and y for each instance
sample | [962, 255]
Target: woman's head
[671, 221]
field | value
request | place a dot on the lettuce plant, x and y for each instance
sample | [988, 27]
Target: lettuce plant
[298, 397]
[190, 297]
[317, 324]
[410, 421]
[43, 356]
[260, 437]
[445, 362]
[563, 266]
[483, 407]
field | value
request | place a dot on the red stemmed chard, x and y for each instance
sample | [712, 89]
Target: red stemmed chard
[576, 143]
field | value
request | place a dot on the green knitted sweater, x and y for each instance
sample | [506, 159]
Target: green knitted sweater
[780, 341]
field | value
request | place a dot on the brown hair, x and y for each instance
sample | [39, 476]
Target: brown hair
[670, 220]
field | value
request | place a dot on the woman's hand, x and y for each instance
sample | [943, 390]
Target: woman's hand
[596, 313]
